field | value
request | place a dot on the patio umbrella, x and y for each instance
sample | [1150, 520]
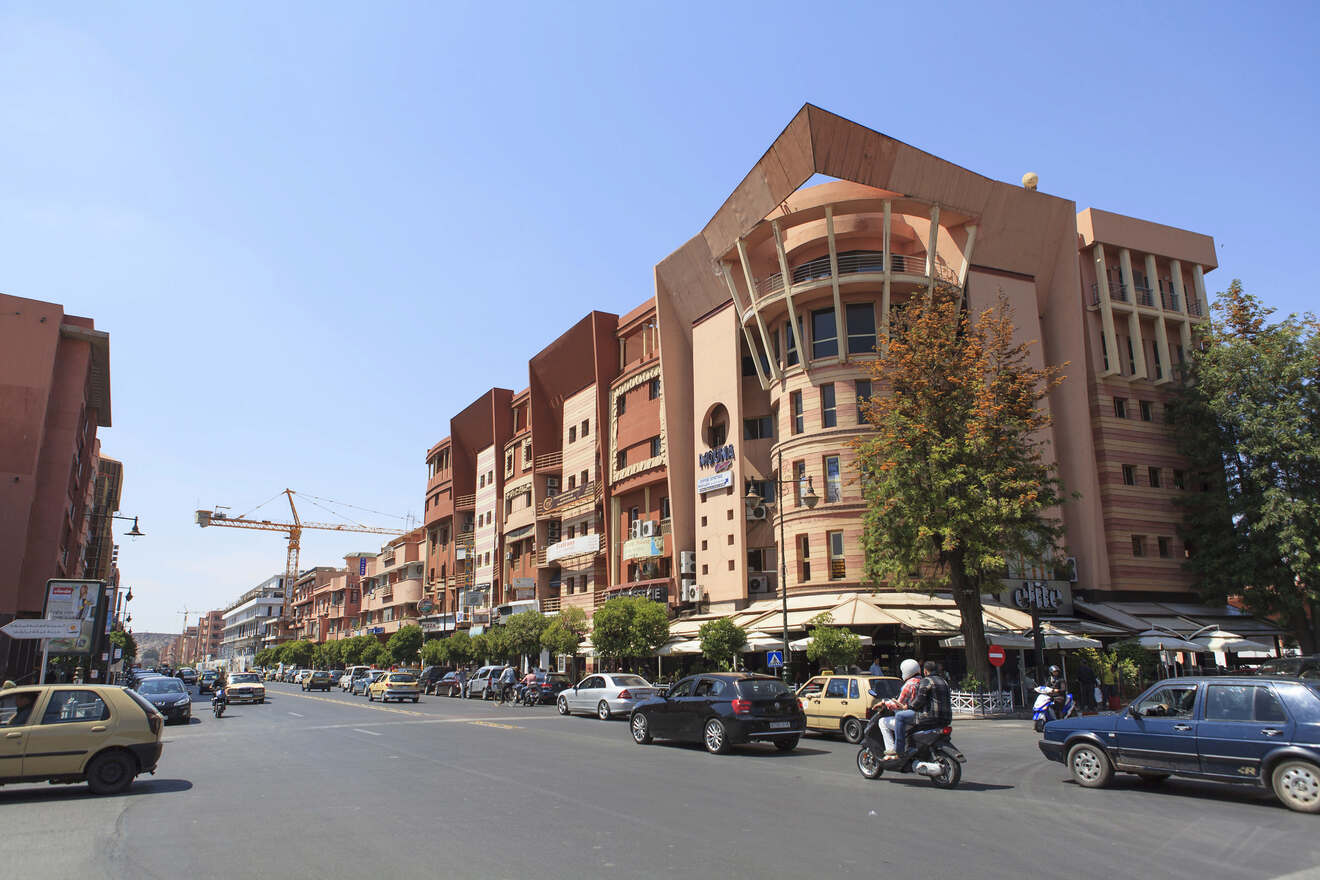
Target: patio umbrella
[759, 641]
[1154, 640]
[1002, 639]
[1221, 640]
[679, 646]
[1057, 641]
[801, 644]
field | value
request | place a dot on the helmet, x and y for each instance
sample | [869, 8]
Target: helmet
[908, 668]
[1054, 670]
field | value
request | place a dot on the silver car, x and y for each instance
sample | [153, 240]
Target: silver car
[605, 694]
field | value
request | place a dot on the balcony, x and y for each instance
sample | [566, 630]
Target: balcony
[551, 462]
[856, 263]
[570, 501]
[1194, 307]
[1145, 297]
[655, 589]
[1118, 292]
[465, 502]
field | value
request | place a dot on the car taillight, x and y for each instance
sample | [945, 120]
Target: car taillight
[741, 707]
[155, 720]
[946, 731]
[624, 695]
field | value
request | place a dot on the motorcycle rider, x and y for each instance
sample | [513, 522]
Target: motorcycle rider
[933, 702]
[1058, 692]
[527, 681]
[507, 678]
[894, 728]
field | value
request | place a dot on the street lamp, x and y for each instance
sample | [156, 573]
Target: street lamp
[810, 499]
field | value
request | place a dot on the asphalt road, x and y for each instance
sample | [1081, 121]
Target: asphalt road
[328, 786]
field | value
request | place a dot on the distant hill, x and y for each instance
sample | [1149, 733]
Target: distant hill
[159, 641]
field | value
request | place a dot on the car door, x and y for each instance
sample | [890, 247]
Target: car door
[1158, 732]
[589, 692]
[17, 720]
[810, 697]
[667, 714]
[834, 703]
[693, 710]
[74, 725]
[1240, 724]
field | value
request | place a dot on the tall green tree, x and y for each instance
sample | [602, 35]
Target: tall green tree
[955, 478]
[721, 641]
[375, 654]
[125, 642]
[629, 626]
[435, 652]
[524, 631]
[299, 654]
[565, 631]
[404, 645]
[1249, 422]
[353, 648]
[458, 648]
[831, 646]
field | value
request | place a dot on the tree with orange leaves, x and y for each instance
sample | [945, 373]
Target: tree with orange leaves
[955, 478]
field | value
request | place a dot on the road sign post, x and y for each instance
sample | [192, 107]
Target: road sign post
[774, 659]
[996, 657]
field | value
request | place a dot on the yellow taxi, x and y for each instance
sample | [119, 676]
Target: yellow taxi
[842, 703]
[395, 686]
[102, 735]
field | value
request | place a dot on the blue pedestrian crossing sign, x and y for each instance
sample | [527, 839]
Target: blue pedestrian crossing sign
[774, 659]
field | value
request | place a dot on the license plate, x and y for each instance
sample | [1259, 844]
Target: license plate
[780, 725]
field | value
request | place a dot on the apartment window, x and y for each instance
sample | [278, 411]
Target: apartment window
[1165, 549]
[1154, 475]
[664, 507]
[1138, 545]
[755, 559]
[799, 481]
[804, 557]
[572, 481]
[620, 459]
[838, 568]
[508, 463]
[586, 427]
[860, 318]
[1182, 358]
[1129, 475]
[527, 453]
[1187, 549]
[655, 447]
[572, 532]
[572, 434]
[1147, 411]
[791, 350]
[795, 400]
[863, 389]
[748, 365]
[653, 389]
[1120, 407]
[1132, 358]
[760, 428]
[1179, 479]
[1104, 350]
[824, 334]
[1155, 359]
[833, 481]
[481, 481]
[584, 479]
[829, 416]
[619, 405]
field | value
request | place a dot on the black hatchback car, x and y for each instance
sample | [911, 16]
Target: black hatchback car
[1262, 731]
[721, 710]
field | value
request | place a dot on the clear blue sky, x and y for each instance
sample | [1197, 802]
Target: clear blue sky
[316, 230]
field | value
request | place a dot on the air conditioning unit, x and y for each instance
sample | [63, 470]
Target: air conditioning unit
[551, 486]
[758, 584]
[647, 528]
[635, 529]
[758, 512]
[687, 562]
[690, 591]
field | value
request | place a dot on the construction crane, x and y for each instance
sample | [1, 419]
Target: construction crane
[294, 530]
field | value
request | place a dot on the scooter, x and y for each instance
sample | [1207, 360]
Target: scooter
[931, 753]
[1051, 708]
[218, 703]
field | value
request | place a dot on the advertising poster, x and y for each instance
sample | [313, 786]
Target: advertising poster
[73, 600]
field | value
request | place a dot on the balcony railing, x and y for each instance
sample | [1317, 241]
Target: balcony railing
[1145, 297]
[551, 461]
[1170, 300]
[860, 263]
[1194, 307]
[463, 502]
[1118, 292]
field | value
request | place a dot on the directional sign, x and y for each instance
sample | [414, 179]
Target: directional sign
[996, 655]
[774, 659]
[40, 628]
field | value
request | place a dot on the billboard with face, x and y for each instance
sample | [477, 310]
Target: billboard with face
[73, 600]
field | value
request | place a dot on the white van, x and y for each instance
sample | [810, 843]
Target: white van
[346, 680]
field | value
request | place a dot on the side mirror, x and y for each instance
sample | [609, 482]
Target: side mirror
[1134, 711]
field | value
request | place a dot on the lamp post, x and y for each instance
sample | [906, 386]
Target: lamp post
[810, 499]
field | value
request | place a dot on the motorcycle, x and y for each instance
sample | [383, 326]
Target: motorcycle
[218, 703]
[1051, 708]
[931, 753]
[531, 695]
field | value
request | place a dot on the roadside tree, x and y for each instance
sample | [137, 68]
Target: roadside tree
[565, 631]
[1249, 422]
[125, 642]
[375, 655]
[458, 648]
[955, 478]
[332, 654]
[721, 641]
[353, 648]
[629, 626]
[524, 631]
[404, 645]
[830, 646]
[435, 652]
[298, 654]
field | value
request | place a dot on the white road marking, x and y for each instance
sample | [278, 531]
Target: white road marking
[296, 715]
[367, 732]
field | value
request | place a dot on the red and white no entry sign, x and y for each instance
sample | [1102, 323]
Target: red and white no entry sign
[996, 654]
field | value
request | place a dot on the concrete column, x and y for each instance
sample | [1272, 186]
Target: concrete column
[615, 545]
[1198, 280]
[1134, 319]
[889, 274]
[1106, 310]
[756, 309]
[1162, 346]
[967, 255]
[1125, 274]
[1153, 281]
[932, 245]
[804, 356]
[839, 329]
[1176, 279]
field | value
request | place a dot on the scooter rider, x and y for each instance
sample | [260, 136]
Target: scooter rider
[933, 702]
[1059, 691]
[894, 729]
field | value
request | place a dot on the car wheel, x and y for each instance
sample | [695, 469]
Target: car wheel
[868, 764]
[603, 710]
[1297, 784]
[370, 697]
[110, 773]
[641, 729]
[416, 699]
[852, 730]
[562, 705]
[1090, 765]
[715, 737]
[787, 743]
[1152, 778]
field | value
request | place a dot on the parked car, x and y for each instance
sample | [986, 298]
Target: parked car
[301, 676]
[842, 704]
[1260, 731]
[722, 710]
[479, 685]
[206, 682]
[170, 698]
[245, 687]
[605, 694]
[432, 676]
[1307, 666]
[394, 686]
[187, 675]
[102, 735]
[554, 684]
[346, 681]
[316, 680]
[335, 675]
[363, 681]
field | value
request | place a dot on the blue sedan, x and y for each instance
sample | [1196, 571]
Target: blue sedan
[1261, 731]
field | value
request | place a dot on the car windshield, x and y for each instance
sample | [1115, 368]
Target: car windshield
[161, 686]
[404, 677]
[763, 688]
[208, 674]
[244, 678]
[632, 681]
[885, 687]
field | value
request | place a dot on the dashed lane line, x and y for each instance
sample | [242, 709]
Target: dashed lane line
[367, 732]
[297, 715]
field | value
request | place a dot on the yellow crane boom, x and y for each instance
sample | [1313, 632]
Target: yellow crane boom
[294, 530]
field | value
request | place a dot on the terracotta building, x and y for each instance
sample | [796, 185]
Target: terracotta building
[392, 587]
[54, 395]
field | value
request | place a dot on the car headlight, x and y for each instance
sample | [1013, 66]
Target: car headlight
[183, 702]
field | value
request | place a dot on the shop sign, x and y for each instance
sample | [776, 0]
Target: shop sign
[643, 548]
[720, 480]
[564, 499]
[524, 583]
[1052, 597]
[426, 606]
[721, 458]
[572, 547]
[654, 593]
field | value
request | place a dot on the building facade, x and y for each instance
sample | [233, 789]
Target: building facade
[247, 620]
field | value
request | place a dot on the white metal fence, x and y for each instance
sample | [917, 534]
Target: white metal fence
[982, 703]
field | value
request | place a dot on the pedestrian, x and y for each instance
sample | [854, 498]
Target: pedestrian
[1109, 680]
[463, 682]
[1086, 679]
[876, 669]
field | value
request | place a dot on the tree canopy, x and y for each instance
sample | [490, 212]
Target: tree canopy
[125, 642]
[404, 645]
[830, 646]
[565, 631]
[1249, 423]
[955, 478]
[629, 626]
[721, 641]
[524, 631]
[300, 653]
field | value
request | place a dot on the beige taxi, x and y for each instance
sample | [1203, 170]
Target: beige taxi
[102, 735]
[842, 704]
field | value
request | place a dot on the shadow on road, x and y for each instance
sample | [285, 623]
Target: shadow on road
[962, 786]
[79, 791]
[746, 750]
[1191, 788]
